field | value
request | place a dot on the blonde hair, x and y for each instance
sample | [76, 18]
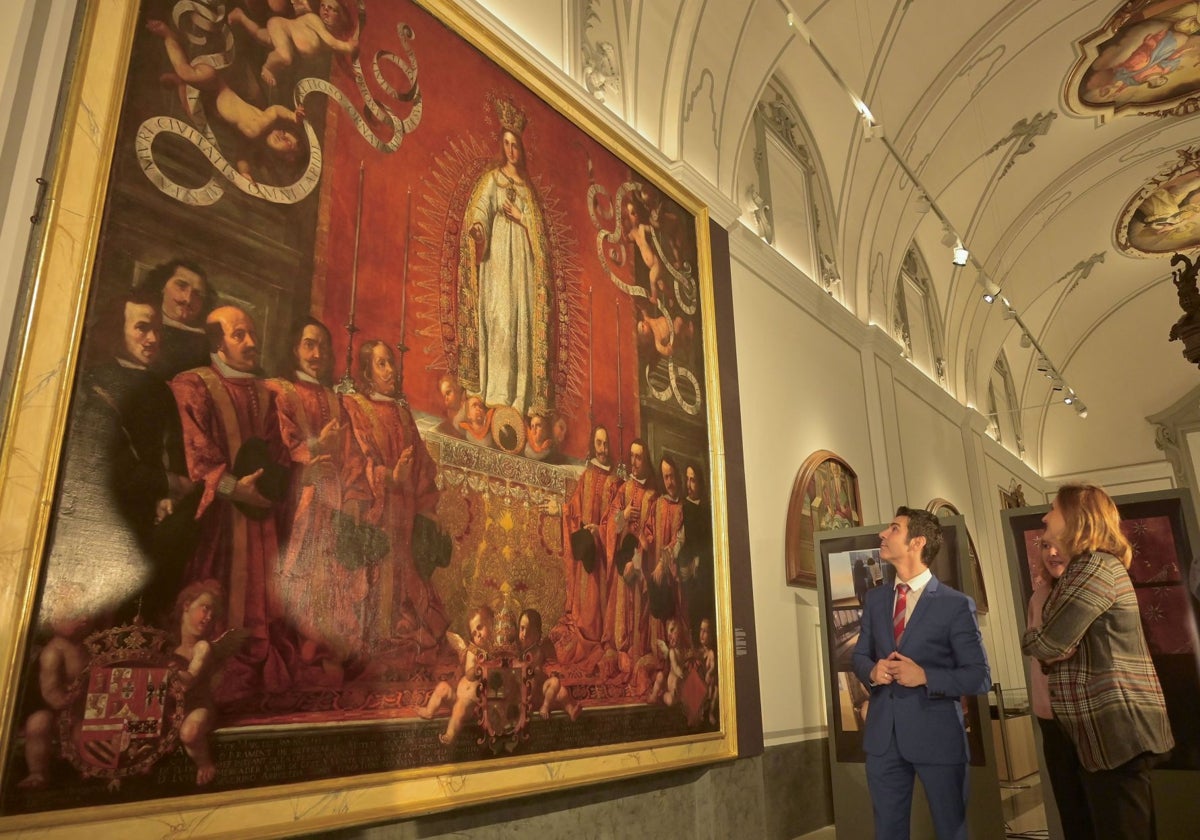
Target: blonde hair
[1092, 522]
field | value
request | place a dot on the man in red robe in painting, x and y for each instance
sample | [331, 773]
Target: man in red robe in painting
[231, 440]
[623, 528]
[404, 613]
[579, 632]
[321, 592]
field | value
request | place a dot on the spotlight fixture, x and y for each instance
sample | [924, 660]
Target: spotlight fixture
[961, 254]
[949, 237]
[924, 205]
[1069, 398]
[1043, 365]
[1026, 340]
[1080, 409]
[871, 128]
[1010, 314]
[1056, 383]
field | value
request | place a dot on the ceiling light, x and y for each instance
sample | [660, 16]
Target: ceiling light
[1080, 408]
[1026, 340]
[961, 254]
[1010, 314]
[870, 128]
[949, 237]
[1069, 398]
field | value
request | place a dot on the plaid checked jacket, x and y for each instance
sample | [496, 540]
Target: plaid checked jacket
[1106, 695]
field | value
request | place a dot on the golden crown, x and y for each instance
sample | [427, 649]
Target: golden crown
[511, 117]
[127, 643]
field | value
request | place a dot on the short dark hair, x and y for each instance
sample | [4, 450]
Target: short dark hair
[922, 523]
[108, 328]
[215, 331]
[535, 620]
[699, 471]
[592, 440]
[157, 278]
[651, 474]
[297, 332]
[667, 459]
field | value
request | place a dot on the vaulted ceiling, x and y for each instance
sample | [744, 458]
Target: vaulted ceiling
[1034, 127]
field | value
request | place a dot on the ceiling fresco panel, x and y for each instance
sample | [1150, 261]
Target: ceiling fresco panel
[1145, 59]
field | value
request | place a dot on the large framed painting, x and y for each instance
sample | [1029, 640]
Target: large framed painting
[1012, 497]
[1161, 529]
[824, 497]
[366, 458]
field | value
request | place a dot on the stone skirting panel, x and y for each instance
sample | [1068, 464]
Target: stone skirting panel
[780, 795]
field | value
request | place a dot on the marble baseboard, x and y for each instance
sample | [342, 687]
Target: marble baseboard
[779, 795]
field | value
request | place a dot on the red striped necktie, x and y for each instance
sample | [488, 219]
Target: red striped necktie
[899, 612]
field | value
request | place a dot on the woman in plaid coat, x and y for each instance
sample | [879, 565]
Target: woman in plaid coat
[1103, 688]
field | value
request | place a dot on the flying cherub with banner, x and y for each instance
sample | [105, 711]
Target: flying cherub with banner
[228, 117]
[646, 258]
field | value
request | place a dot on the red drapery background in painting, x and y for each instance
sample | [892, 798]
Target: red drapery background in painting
[456, 81]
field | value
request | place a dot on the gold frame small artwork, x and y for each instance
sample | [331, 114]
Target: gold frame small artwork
[825, 496]
[1012, 497]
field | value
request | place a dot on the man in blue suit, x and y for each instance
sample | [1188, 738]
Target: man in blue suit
[920, 651]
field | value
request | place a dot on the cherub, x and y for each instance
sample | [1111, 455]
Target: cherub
[639, 232]
[668, 682]
[548, 690]
[706, 663]
[470, 685]
[199, 609]
[60, 663]
[306, 34]
[478, 423]
[278, 130]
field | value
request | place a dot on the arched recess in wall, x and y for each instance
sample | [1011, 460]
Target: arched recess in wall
[824, 497]
[945, 508]
[1003, 411]
[916, 316]
[783, 190]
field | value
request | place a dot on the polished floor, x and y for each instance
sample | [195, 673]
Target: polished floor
[1021, 804]
[1024, 812]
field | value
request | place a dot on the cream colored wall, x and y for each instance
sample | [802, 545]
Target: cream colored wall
[791, 369]
[543, 24]
[33, 49]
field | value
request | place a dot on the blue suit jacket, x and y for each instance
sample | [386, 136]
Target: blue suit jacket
[942, 636]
